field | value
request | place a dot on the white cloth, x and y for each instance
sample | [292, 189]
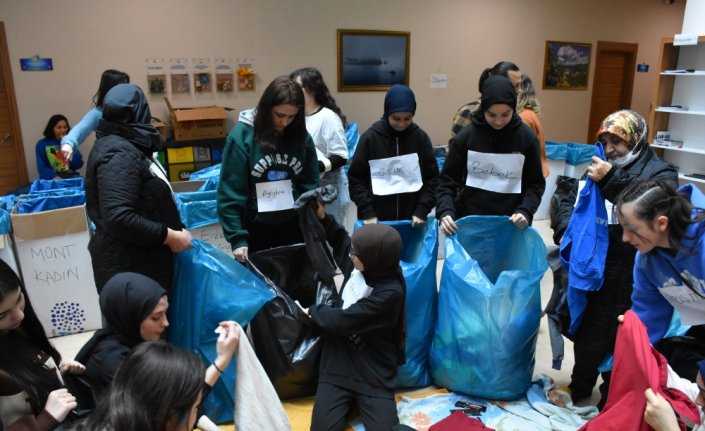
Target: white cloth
[500, 173]
[355, 289]
[393, 175]
[690, 389]
[257, 405]
[326, 130]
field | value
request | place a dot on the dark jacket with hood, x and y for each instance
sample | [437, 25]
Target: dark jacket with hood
[127, 299]
[381, 141]
[131, 205]
[455, 198]
[364, 343]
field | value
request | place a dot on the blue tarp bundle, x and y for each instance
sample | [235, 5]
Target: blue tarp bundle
[210, 287]
[489, 308]
[573, 153]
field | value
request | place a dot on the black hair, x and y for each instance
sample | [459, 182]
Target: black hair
[312, 81]
[32, 377]
[502, 69]
[281, 91]
[653, 198]
[109, 79]
[156, 384]
[53, 121]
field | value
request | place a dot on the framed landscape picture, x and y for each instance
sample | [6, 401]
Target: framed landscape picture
[566, 65]
[371, 60]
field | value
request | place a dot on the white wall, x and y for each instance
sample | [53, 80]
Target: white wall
[455, 37]
[694, 18]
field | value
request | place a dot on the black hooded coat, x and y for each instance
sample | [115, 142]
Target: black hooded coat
[131, 205]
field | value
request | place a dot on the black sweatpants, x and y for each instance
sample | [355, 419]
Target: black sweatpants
[333, 403]
[596, 336]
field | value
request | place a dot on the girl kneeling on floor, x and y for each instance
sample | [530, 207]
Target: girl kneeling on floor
[365, 332]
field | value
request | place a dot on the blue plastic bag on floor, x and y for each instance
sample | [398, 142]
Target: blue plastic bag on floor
[418, 264]
[489, 308]
[210, 287]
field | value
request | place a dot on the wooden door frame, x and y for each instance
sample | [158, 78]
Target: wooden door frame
[15, 130]
[621, 47]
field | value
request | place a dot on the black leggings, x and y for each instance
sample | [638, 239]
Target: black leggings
[333, 403]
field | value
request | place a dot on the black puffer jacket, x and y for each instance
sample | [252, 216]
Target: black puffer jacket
[130, 205]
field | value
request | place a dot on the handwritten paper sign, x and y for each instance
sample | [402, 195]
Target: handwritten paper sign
[274, 196]
[59, 280]
[438, 80]
[687, 302]
[499, 173]
[400, 174]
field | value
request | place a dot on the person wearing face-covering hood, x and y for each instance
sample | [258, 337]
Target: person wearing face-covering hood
[364, 330]
[623, 135]
[134, 308]
[393, 173]
[128, 197]
[494, 164]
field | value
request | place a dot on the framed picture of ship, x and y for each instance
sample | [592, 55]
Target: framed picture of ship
[372, 60]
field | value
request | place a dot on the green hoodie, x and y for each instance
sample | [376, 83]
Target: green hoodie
[245, 164]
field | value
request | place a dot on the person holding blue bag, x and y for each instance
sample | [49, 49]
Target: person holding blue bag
[494, 164]
[629, 158]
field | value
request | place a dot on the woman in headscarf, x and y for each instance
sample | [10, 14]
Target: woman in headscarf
[134, 308]
[629, 158]
[128, 196]
[393, 172]
[365, 330]
[494, 164]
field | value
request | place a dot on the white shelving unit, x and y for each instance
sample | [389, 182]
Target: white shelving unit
[678, 106]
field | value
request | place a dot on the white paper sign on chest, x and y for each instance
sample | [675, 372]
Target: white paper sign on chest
[274, 196]
[499, 173]
[400, 174]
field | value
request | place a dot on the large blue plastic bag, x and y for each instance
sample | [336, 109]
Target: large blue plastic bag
[67, 183]
[418, 264]
[48, 200]
[489, 307]
[197, 209]
[210, 287]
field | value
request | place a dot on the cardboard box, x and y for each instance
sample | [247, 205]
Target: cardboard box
[161, 128]
[180, 155]
[181, 171]
[52, 253]
[212, 234]
[197, 123]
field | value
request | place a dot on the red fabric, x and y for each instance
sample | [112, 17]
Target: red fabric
[637, 366]
[458, 421]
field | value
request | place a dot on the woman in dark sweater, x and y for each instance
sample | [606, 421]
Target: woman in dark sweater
[365, 332]
[494, 164]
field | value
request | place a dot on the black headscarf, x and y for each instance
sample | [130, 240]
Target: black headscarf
[126, 300]
[497, 90]
[379, 248]
[126, 113]
[399, 98]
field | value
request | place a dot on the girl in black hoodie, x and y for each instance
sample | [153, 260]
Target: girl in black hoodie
[395, 135]
[495, 162]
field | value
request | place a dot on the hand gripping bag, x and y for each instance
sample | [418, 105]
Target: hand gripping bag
[210, 287]
[583, 249]
[418, 264]
[489, 308]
